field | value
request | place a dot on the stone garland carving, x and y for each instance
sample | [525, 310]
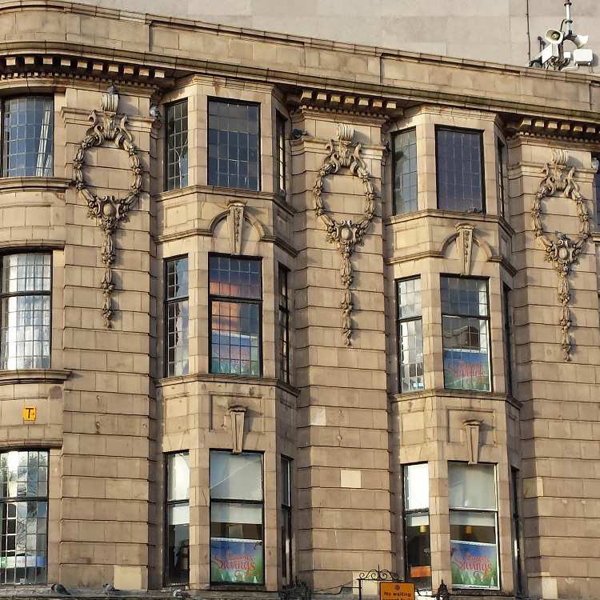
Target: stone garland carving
[345, 234]
[560, 250]
[108, 211]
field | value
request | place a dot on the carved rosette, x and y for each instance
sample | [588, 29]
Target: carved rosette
[560, 250]
[108, 211]
[345, 234]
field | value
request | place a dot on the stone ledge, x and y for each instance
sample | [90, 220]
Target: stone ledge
[11, 184]
[34, 376]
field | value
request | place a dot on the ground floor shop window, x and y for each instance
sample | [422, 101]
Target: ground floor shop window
[286, 520]
[416, 524]
[236, 518]
[473, 525]
[23, 517]
[178, 518]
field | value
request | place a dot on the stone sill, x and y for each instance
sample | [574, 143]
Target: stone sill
[11, 184]
[33, 376]
[444, 393]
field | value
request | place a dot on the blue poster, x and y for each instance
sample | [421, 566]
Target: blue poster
[236, 561]
[474, 564]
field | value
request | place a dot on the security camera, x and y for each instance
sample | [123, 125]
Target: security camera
[554, 36]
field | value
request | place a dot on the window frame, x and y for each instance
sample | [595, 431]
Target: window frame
[501, 176]
[223, 100]
[284, 359]
[280, 153]
[396, 134]
[168, 504]
[507, 335]
[480, 133]
[166, 163]
[488, 318]
[479, 510]
[3, 132]
[236, 299]
[36, 293]
[233, 584]
[517, 550]
[596, 188]
[166, 303]
[286, 516]
[399, 322]
[27, 499]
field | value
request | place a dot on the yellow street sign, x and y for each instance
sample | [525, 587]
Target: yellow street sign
[28, 413]
[396, 590]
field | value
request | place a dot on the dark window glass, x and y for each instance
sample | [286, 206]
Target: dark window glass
[24, 517]
[516, 520]
[286, 520]
[176, 316]
[177, 145]
[178, 518]
[280, 154]
[416, 524]
[25, 311]
[501, 174]
[27, 136]
[459, 170]
[405, 171]
[233, 144]
[235, 299]
[596, 165]
[465, 329]
[236, 518]
[473, 525]
[410, 334]
[284, 325]
[507, 318]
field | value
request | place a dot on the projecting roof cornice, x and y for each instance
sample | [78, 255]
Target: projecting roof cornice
[570, 130]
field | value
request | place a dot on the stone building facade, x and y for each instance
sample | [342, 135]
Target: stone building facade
[275, 307]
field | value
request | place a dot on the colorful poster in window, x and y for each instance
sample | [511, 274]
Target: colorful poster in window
[236, 561]
[474, 564]
[466, 370]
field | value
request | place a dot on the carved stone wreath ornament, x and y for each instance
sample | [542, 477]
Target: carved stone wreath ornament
[108, 211]
[345, 234]
[562, 251]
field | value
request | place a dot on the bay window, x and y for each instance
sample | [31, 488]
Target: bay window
[473, 525]
[286, 520]
[410, 334]
[25, 310]
[176, 163]
[23, 516]
[465, 329]
[236, 518]
[405, 171]
[178, 518]
[176, 316]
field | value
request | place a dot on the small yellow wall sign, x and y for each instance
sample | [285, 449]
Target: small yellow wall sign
[28, 414]
[396, 590]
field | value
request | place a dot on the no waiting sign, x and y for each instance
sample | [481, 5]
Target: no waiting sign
[396, 590]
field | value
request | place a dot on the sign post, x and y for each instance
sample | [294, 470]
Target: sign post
[396, 590]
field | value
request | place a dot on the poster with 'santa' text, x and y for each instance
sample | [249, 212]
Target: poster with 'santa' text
[474, 564]
[236, 561]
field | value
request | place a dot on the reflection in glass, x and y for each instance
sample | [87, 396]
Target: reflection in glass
[410, 334]
[23, 516]
[286, 520]
[177, 317]
[177, 145]
[27, 137]
[284, 326]
[178, 517]
[405, 171]
[233, 144]
[25, 310]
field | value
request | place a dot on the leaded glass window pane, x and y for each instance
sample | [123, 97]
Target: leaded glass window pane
[177, 145]
[233, 144]
[410, 334]
[24, 516]
[27, 136]
[25, 311]
[405, 172]
[459, 170]
[177, 316]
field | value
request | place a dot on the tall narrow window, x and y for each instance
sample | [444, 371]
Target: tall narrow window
[284, 325]
[177, 145]
[178, 518]
[24, 516]
[235, 299]
[286, 520]
[501, 172]
[416, 524]
[25, 311]
[176, 311]
[516, 519]
[596, 166]
[27, 136]
[410, 334]
[473, 525]
[233, 144]
[465, 330]
[280, 155]
[507, 318]
[459, 161]
[405, 171]
[236, 518]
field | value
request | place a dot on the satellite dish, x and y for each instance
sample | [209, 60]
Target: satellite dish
[555, 36]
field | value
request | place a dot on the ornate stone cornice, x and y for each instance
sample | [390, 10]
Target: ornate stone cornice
[576, 131]
[34, 376]
[560, 250]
